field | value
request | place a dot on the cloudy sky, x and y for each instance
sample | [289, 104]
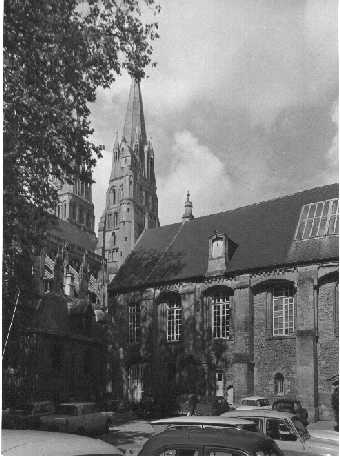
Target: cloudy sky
[242, 107]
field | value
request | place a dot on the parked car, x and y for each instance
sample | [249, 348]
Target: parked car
[291, 406]
[27, 416]
[206, 422]
[288, 432]
[211, 407]
[79, 417]
[209, 442]
[40, 443]
[254, 402]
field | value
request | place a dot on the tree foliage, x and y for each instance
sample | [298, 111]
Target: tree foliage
[56, 54]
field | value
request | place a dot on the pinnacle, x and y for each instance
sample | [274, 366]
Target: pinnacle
[134, 125]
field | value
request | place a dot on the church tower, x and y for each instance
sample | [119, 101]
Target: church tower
[131, 199]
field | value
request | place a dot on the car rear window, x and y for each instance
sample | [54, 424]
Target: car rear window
[252, 427]
[263, 402]
[66, 410]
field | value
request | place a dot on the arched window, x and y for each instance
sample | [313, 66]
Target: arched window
[114, 240]
[279, 384]
[134, 323]
[64, 210]
[115, 219]
[112, 197]
[59, 210]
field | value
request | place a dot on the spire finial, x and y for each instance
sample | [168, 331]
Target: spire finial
[187, 209]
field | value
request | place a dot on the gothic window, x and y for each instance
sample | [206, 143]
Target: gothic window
[114, 238]
[59, 211]
[135, 383]
[64, 210]
[221, 312]
[80, 215]
[82, 188]
[115, 219]
[121, 191]
[283, 311]
[279, 384]
[112, 196]
[134, 323]
[109, 221]
[318, 219]
[174, 322]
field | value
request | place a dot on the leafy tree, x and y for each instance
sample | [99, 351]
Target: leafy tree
[56, 54]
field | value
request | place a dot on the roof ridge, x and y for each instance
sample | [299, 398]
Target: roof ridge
[263, 202]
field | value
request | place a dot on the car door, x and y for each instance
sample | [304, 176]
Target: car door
[284, 435]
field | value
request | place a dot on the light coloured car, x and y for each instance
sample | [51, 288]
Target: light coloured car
[78, 417]
[207, 421]
[40, 443]
[288, 432]
[254, 402]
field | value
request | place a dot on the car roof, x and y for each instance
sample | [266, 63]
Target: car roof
[39, 443]
[78, 403]
[253, 398]
[259, 412]
[212, 420]
[210, 436]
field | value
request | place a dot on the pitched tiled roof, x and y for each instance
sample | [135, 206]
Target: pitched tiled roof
[264, 234]
[74, 235]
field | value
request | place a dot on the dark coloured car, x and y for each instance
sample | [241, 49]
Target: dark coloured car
[209, 442]
[291, 406]
[212, 407]
[27, 416]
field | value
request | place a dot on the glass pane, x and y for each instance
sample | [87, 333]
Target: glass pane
[334, 206]
[322, 227]
[319, 209]
[315, 228]
[308, 229]
[304, 212]
[325, 209]
[300, 230]
[312, 211]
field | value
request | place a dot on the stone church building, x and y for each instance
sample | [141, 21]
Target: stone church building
[244, 300]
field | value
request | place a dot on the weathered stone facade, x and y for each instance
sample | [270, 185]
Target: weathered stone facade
[254, 355]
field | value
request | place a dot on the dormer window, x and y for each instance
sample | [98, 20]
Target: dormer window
[217, 247]
[318, 220]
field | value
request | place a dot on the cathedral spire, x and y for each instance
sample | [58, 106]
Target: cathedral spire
[134, 124]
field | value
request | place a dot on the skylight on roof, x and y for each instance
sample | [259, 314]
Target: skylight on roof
[318, 219]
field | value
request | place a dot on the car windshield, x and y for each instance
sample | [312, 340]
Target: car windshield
[300, 428]
[263, 402]
[66, 410]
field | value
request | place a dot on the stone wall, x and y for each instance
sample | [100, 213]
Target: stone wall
[252, 357]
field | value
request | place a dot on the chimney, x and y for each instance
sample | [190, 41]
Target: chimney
[187, 209]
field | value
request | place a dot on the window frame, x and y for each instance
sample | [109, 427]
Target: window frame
[284, 313]
[279, 384]
[134, 323]
[223, 326]
[306, 220]
[174, 322]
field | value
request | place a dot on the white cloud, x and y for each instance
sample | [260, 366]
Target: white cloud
[197, 169]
